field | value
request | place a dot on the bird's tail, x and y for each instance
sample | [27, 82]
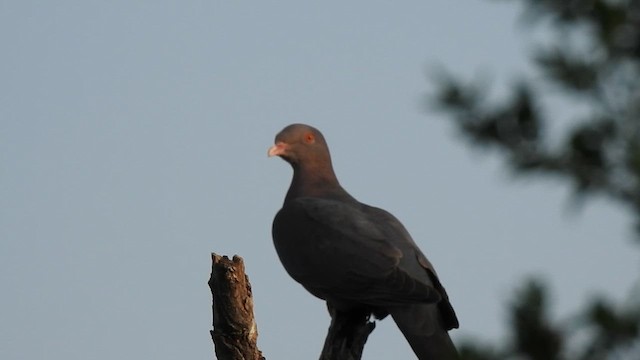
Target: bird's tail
[422, 326]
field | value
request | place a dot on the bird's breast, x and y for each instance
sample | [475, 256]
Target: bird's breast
[307, 251]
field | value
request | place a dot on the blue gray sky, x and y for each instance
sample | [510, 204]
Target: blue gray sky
[133, 138]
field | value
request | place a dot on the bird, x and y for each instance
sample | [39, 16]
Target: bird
[355, 256]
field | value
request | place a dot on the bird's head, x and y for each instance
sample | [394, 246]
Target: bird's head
[301, 144]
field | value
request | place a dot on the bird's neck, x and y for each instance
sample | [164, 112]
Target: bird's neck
[314, 181]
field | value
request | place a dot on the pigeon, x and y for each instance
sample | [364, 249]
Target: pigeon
[354, 256]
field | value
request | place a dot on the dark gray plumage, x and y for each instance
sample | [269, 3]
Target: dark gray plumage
[355, 256]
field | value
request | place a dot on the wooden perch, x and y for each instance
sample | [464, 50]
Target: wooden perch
[347, 335]
[234, 331]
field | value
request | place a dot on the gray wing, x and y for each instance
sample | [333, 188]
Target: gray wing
[341, 251]
[415, 261]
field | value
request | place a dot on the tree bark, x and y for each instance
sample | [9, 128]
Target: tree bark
[234, 331]
[347, 335]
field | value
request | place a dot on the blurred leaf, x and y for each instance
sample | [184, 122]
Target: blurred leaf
[571, 72]
[633, 157]
[612, 329]
[534, 335]
[587, 153]
[474, 351]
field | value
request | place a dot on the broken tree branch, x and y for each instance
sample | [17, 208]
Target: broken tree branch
[347, 335]
[234, 331]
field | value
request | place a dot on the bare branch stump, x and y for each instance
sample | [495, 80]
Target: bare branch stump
[347, 335]
[234, 331]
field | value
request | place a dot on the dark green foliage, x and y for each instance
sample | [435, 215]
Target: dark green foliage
[472, 351]
[603, 331]
[594, 63]
[612, 330]
[590, 65]
[569, 71]
[534, 336]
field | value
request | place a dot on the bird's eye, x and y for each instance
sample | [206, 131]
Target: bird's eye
[309, 138]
